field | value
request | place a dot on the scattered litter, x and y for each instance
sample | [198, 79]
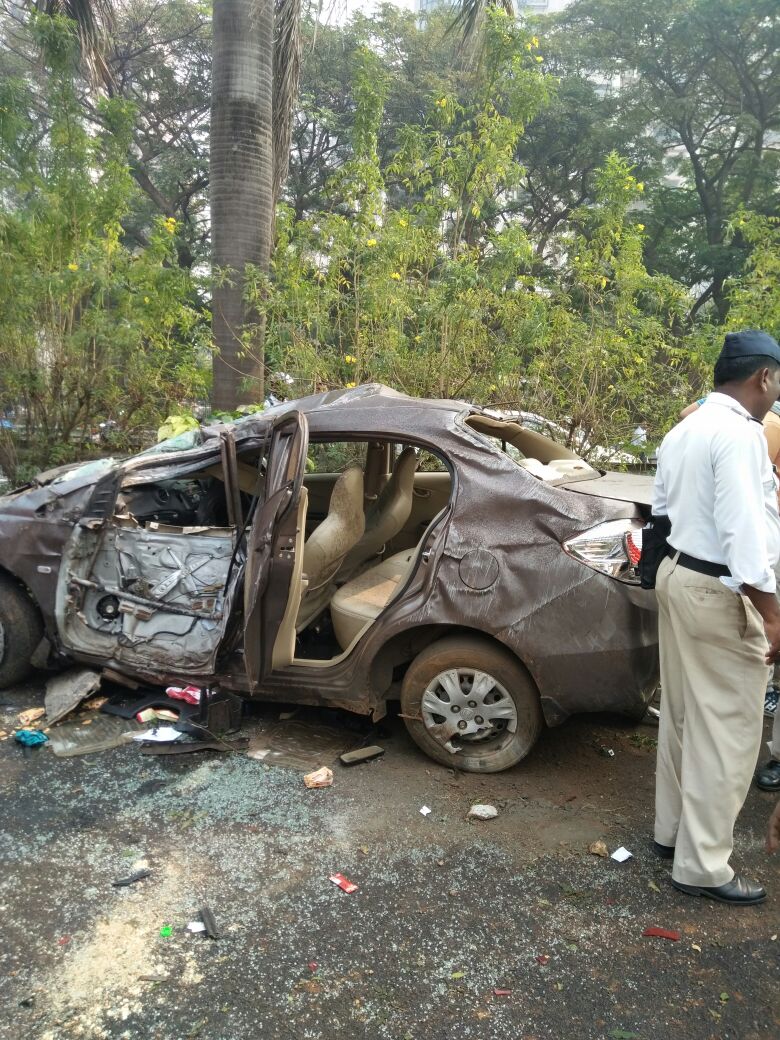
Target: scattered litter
[209, 922]
[3, 734]
[312, 965]
[502, 992]
[364, 850]
[653, 887]
[621, 854]
[70, 738]
[483, 812]
[284, 716]
[94, 703]
[343, 883]
[159, 734]
[153, 978]
[156, 715]
[598, 848]
[166, 931]
[66, 691]
[458, 975]
[426, 811]
[319, 778]
[196, 926]
[189, 694]
[543, 958]
[131, 880]
[27, 1002]
[607, 752]
[661, 933]
[30, 737]
[695, 946]
[366, 754]
[26, 718]
[63, 940]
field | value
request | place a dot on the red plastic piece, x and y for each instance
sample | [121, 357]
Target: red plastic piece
[661, 933]
[343, 883]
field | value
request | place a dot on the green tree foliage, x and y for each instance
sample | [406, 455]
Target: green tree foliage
[90, 329]
[414, 289]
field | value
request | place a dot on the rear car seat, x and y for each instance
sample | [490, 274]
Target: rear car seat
[364, 598]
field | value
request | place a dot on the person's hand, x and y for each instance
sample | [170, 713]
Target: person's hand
[772, 631]
[773, 837]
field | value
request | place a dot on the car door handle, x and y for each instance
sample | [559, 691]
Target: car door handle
[422, 492]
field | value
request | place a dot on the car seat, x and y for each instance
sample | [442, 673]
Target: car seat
[328, 544]
[364, 598]
[387, 515]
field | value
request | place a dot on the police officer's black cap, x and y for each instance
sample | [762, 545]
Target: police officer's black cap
[750, 343]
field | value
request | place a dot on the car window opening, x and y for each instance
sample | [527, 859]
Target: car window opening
[365, 527]
[532, 451]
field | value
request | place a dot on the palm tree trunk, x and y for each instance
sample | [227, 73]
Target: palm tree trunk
[241, 183]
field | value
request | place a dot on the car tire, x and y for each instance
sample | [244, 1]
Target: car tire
[467, 655]
[21, 630]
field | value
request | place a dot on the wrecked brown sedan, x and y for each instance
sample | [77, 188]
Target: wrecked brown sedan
[340, 550]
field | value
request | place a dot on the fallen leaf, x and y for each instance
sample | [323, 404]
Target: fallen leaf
[458, 975]
[31, 715]
[598, 848]
[652, 885]
[724, 998]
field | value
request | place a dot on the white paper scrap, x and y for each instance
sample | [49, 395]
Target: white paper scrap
[621, 854]
[425, 810]
[164, 734]
[196, 926]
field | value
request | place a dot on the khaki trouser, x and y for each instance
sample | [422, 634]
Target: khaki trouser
[713, 677]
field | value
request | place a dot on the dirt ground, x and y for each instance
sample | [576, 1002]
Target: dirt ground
[447, 911]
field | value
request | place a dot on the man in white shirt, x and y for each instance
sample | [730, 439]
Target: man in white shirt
[719, 616]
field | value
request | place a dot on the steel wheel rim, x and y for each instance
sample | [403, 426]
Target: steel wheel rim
[467, 707]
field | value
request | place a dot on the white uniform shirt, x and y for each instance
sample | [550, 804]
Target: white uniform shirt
[715, 483]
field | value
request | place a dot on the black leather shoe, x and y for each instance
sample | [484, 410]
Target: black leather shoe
[768, 778]
[664, 851]
[738, 891]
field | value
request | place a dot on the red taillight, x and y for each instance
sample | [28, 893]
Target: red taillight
[634, 547]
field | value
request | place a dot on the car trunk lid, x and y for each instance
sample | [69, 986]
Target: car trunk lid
[621, 487]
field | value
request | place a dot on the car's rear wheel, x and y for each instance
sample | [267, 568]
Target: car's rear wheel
[470, 705]
[21, 630]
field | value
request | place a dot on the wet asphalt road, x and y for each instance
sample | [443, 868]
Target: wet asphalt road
[446, 912]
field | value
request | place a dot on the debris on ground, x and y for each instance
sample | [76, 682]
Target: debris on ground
[543, 958]
[187, 747]
[188, 694]
[30, 737]
[66, 691]
[598, 848]
[342, 882]
[312, 965]
[366, 754]
[483, 812]
[148, 715]
[661, 933]
[94, 703]
[209, 922]
[607, 752]
[26, 718]
[166, 931]
[502, 992]
[71, 738]
[196, 926]
[319, 778]
[131, 880]
[426, 810]
[621, 855]
[161, 734]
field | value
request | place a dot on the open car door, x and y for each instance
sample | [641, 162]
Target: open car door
[273, 581]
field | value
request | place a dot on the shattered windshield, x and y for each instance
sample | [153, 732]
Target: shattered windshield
[181, 442]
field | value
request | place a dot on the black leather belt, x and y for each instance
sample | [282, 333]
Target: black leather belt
[715, 570]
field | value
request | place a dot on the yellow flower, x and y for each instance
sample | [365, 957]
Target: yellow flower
[539, 59]
[395, 276]
[528, 46]
[640, 227]
[603, 282]
[349, 386]
[442, 102]
[350, 359]
[535, 41]
[170, 225]
[640, 186]
[403, 223]
[73, 267]
[370, 242]
[146, 299]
